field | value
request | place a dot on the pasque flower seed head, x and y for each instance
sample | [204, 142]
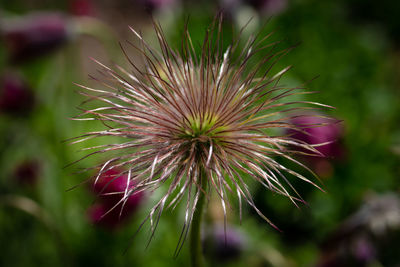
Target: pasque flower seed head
[191, 120]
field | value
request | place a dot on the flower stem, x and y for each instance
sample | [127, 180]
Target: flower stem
[196, 250]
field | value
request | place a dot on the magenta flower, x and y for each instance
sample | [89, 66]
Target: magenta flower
[109, 211]
[112, 182]
[325, 134]
[318, 129]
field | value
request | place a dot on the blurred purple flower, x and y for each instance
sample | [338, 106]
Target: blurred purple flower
[112, 209]
[34, 35]
[315, 129]
[318, 130]
[15, 95]
[356, 250]
[223, 246]
[364, 250]
[27, 172]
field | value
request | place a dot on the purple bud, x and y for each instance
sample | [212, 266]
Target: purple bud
[15, 95]
[35, 35]
[223, 247]
[27, 172]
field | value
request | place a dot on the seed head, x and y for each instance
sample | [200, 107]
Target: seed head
[185, 116]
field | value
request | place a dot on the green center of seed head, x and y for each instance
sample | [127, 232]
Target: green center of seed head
[200, 126]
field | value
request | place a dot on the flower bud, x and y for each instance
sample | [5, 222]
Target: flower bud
[15, 95]
[34, 35]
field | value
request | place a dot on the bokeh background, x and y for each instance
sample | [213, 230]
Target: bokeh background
[353, 46]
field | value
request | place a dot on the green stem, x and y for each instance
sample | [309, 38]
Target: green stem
[196, 250]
